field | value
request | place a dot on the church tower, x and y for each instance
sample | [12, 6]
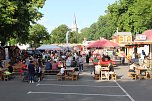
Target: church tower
[74, 26]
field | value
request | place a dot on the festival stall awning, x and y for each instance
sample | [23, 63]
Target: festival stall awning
[145, 38]
[102, 43]
[49, 47]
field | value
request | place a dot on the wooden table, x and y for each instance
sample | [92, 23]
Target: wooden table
[141, 72]
[103, 73]
[68, 72]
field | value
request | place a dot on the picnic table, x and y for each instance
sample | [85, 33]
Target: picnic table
[141, 72]
[104, 73]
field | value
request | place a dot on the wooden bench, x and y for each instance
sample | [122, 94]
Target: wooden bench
[72, 76]
[114, 76]
[51, 72]
[145, 76]
[75, 75]
[59, 76]
[133, 75]
[16, 69]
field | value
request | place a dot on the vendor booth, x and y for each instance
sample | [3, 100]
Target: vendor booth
[12, 53]
[142, 42]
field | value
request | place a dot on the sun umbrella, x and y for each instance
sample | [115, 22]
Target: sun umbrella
[102, 43]
[49, 47]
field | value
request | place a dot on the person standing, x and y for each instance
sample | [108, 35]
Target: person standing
[31, 71]
[123, 55]
[87, 58]
[39, 72]
[133, 57]
[142, 56]
[23, 68]
[81, 61]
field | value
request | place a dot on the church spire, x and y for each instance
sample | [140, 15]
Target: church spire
[74, 26]
[74, 22]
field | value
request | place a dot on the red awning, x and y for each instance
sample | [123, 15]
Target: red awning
[102, 43]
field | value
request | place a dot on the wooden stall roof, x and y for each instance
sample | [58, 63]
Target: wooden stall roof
[143, 42]
[139, 43]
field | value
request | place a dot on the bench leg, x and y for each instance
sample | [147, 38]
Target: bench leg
[114, 76]
[59, 77]
[134, 77]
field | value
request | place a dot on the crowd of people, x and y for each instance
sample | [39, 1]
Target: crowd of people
[32, 67]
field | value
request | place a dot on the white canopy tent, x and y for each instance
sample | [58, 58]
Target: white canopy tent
[49, 47]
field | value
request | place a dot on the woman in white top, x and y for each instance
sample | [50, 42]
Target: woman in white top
[62, 70]
[97, 68]
[132, 67]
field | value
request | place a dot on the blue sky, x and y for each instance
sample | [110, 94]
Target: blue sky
[57, 12]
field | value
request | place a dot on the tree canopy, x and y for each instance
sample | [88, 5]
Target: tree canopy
[127, 15]
[15, 18]
[58, 35]
[38, 34]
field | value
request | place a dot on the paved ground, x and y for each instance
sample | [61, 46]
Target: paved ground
[84, 89]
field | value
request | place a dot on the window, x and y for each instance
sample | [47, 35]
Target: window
[128, 38]
[121, 39]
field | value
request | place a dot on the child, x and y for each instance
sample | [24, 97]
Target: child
[39, 72]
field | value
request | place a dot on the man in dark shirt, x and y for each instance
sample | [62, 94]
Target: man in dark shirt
[31, 71]
[10, 68]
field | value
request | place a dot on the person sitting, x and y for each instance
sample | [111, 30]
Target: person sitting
[132, 67]
[68, 62]
[108, 57]
[111, 69]
[62, 71]
[103, 57]
[110, 66]
[97, 68]
[95, 59]
[48, 65]
[73, 62]
[54, 65]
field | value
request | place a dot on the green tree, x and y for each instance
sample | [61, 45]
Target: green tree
[38, 34]
[58, 35]
[16, 17]
[84, 33]
[132, 15]
[74, 37]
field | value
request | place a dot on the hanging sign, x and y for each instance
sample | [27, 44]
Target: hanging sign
[140, 37]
